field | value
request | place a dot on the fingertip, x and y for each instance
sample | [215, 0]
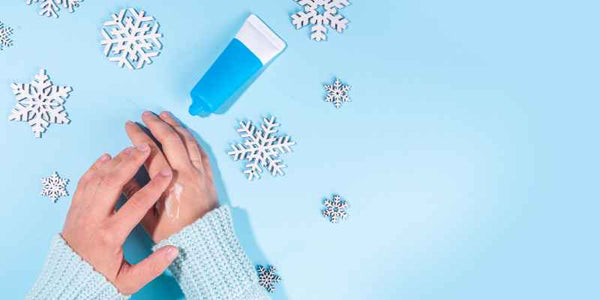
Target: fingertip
[147, 114]
[165, 114]
[128, 150]
[143, 147]
[104, 157]
[172, 252]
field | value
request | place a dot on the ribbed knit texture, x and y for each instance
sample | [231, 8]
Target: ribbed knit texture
[211, 262]
[67, 276]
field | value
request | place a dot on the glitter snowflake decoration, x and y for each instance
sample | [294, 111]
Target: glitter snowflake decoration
[320, 13]
[131, 39]
[337, 93]
[50, 8]
[267, 277]
[335, 209]
[54, 187]
[261, 148]
[5, 33]
[40, 103]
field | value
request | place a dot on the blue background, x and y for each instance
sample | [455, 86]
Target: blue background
[468, 154]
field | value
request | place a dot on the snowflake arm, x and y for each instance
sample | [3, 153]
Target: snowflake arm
[50, 8]
[5, 32]
[71, 4]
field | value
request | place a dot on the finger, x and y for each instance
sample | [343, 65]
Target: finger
[132, 212]
[131, 188]
[172, 145]
[135, 277]
[194, 150]
[115, 174]
[122, 168]
[156, 160]
[85, 178]
[95, 166]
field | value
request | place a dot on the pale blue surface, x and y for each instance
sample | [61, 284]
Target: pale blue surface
[469, 153]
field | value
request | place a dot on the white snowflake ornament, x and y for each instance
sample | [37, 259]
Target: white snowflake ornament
[5, 33]
[40, 103]
[267, 277]
[337, 93]
[54, 187]
[335, 209]
[261, 148]
[131, 39]
[50, 8]
[320, 13]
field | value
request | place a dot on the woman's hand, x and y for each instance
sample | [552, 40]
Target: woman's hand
[95, 231]
[192, 192]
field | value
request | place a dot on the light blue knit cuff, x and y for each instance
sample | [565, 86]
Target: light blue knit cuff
[211, 263]
[67, 276]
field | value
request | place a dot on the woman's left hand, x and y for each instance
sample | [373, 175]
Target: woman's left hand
[192, 192]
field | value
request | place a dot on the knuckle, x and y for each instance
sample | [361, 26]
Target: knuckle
[137, 202]
[112, 180]
[108, 237]
[171, 136]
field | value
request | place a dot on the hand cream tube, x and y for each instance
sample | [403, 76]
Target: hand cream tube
[253, 47]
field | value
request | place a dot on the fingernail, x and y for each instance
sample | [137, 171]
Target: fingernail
[166, 172]
[143, 147]
[172, 253]
[165, 114]
[104, 157]
[128, 150]
[147, 114]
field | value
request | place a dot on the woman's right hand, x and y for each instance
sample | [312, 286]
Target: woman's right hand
[96, 231]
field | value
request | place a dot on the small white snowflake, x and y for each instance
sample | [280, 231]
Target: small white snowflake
[267, 277]
[261, 148]
[50, 8]
[337, 93]
[131, 39]
[40, 103]
[54, 187]
[320, 13]
[335, 209]
[5, 33]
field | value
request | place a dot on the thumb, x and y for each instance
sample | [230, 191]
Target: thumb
[137, 276]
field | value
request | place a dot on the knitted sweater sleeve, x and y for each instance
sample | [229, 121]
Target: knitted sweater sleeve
[67, 276]
[211, 263]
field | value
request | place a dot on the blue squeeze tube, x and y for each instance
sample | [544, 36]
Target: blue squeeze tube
[253, 47]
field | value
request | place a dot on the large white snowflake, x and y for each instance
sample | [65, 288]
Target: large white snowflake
[54, 187]
[50, 8]
[320, 13]
[337, 93]
[131, 39]
[335, 209]
[5, 33]
[261, 148]
[40, 103]
[267, 277]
